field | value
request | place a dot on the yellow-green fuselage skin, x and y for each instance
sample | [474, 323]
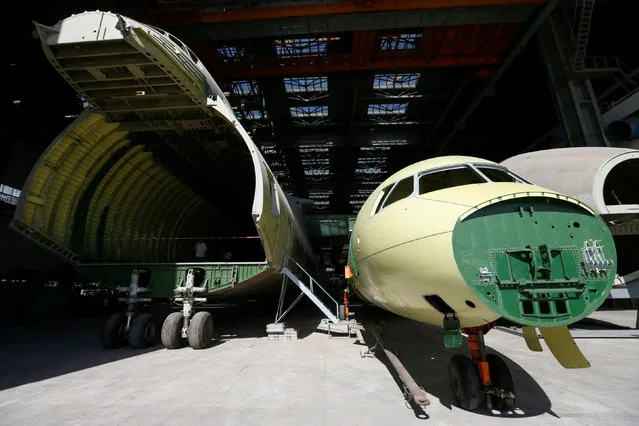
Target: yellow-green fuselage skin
[405, 251]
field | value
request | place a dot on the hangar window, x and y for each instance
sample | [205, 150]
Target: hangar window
[400, 42]
[244, 87]
[434, 181]
[230, 52]
[300, 47]
[620, 186]
[254, 114]
[9, 195]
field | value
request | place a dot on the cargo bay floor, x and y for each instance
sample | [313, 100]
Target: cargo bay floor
[58, 374]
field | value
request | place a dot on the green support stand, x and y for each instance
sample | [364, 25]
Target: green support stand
[452, 332]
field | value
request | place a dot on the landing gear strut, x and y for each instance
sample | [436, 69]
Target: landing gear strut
[136, 328]
[183, 326]
[482, 379]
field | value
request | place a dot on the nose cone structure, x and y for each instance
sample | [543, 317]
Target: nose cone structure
[540, 261]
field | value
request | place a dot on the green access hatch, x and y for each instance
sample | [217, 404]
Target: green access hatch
[537, 261]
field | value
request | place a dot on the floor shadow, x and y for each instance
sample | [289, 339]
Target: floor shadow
[31, 353]
[421, 349]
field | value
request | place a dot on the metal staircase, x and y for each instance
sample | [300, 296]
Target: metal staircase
[309, 287]
[582, 32]
[625, 85]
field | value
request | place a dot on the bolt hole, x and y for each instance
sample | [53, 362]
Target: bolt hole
[536, 222]
[469, 303]
[553, 227]
[488, 293]
[576, 224]
[593, 290]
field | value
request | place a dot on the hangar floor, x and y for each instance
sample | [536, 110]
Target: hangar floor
[59, 374]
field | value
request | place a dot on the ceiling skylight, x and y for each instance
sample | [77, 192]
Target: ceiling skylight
[395, 81]
[300, 47]
[309, 111]
[387, 109]
[306, 84]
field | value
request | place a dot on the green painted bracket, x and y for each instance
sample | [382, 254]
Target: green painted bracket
[452, 333]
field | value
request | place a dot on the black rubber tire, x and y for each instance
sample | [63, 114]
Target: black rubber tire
[200, 331]
[143, 331]
[464, 383]
[113, 331]
[501, 377]
[172, 331]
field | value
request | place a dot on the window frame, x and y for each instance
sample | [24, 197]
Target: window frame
[517, 178]
[380, 201]
[447, 168]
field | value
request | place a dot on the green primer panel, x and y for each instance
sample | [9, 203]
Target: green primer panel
[523, 258]
[165, 277]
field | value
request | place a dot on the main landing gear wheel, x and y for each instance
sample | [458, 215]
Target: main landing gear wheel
[113, 333]
[464, 382]
[142, 333]
[172, 331]
[501, 379]
[200, 332]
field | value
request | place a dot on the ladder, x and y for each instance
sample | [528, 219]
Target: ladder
[312, 289]
[43, 241]
[582, 32]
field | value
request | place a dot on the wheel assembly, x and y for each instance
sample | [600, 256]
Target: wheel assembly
[464, 382]
[502, 393]
[142, 332]
[114, 331]
[200, 332]
[483, 380]
[172, 331]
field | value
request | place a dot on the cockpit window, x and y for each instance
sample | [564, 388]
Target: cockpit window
[496, 175]
[403, 189]
[435, 181]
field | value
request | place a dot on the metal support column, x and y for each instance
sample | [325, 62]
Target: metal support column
[576, 101]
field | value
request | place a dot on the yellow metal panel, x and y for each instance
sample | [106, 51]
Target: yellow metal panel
[126, 180]
[532, 341]
[130, 195]
[137, 215]
[156, 212]
[103, 195]
[93, 166]
[563, 347]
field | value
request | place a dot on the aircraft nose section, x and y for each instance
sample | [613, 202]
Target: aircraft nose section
[539, 261]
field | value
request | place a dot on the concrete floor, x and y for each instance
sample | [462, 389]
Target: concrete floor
[58, 374]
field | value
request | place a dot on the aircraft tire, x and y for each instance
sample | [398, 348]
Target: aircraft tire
[172, 331]
[501, 377]
[464, 382]
[142, 332]
[113, 331]
[200, 331]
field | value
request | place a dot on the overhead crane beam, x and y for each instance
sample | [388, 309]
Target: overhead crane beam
[274, 67]
[194, 15]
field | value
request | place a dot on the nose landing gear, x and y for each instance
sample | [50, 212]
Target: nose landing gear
[484, 379]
